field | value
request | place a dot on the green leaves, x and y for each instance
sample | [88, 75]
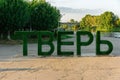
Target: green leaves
[25, 15]
[15, 14]
[44, 16]
[105, 21]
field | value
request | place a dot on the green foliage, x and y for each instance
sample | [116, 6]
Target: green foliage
[107, 20]
[44, 16]
[117, 25]
[25, 15]
[104, 22]
[88, 22]
[64, 26]
[72, 20]
[13, 16]
[16, 14]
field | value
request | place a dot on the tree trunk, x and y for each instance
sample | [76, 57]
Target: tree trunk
[5, 34]
[8, 36]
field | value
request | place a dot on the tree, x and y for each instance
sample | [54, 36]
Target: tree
[72, 20]
[1, 17]
[23, 14]
[107, 20]
[15, 14]
[87, 22]
[44, 16]
[117, 23]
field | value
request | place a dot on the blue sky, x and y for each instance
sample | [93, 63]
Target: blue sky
[107, 5]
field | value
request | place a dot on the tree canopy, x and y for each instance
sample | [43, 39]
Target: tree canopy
[44, 16]
[105, 21]
[21, 14]
[13, 16]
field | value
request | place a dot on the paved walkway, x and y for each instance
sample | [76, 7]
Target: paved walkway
[8, 51]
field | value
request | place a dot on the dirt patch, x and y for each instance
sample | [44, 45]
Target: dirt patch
[73, 68]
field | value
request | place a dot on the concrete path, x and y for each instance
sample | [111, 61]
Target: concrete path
[9, 51]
